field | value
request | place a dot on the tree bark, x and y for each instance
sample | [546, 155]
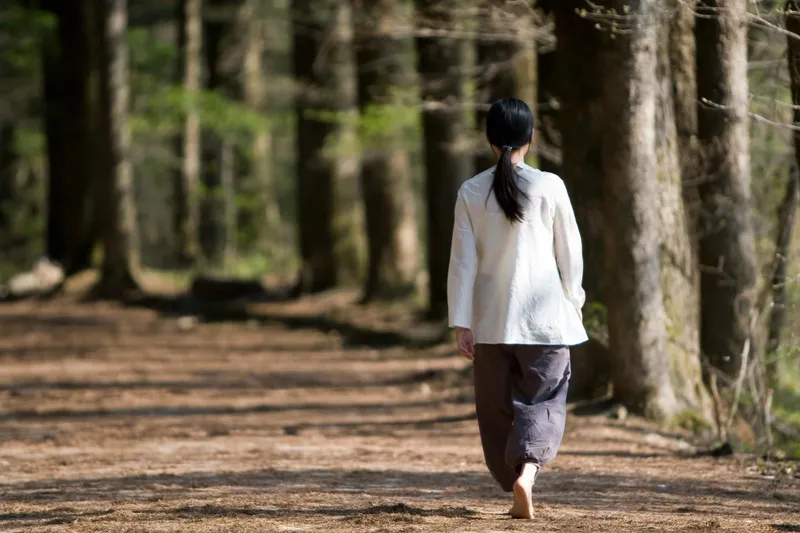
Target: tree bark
[636, 314]
[187, 179]
[727, 242]
[680, 276]
[548, 137]
[324, 70]
[787, 214]
[506, 63]
[682, 53]
[579, 58]
[383, 67]
[447, 163]
[120, 246]
[67, 93]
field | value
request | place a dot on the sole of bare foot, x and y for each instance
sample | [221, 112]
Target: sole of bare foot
[523, 504]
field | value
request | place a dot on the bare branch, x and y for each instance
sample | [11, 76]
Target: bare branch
[754, 116]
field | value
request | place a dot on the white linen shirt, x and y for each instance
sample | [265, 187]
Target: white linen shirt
[517, 283]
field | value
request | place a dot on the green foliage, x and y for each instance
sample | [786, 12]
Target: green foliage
[30, 143]
[163, 111]
[377, 126]
[22, 32]
[595, 318]
[151, 59]
[255, 265]
[22, 197]
[786, 399]
[394, 123]
[160, 103]
[692, 420]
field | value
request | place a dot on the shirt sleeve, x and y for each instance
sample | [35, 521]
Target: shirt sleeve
[463, 268]
[568, 248]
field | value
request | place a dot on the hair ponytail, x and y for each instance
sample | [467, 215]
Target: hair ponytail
[505, 187]
[509, 125]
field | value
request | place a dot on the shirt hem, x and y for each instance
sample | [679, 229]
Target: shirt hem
[535, 342]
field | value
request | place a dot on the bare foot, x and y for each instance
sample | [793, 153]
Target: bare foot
[523, 493]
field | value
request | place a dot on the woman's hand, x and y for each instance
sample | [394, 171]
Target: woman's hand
[465, 343]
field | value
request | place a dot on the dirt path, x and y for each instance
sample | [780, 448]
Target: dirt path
[120, 421]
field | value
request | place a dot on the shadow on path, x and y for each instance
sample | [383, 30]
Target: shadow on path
[241, 310]
[589, 491]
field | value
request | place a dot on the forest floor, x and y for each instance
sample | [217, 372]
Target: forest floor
[117, 419]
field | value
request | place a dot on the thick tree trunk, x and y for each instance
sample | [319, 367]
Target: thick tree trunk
[383, 67]
[506, 63]
[680, 276]
[636, 314]
[727, 242]
[120, 246]
[323, 64]
[187, 179]
[447, 162]
[71, 228]
[787, 215]
[581, 124]
[548, 137]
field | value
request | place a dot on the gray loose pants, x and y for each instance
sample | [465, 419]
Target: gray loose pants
[521, 401]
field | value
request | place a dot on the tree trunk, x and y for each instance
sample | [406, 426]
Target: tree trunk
[787, 215]
[233, 53]
[324, 71]
[227, 199]
[8, 165]
[727, 242]
[636, 314]
[787, 219]
[120, 246]
[684, 82]
[680, 277]
[349, 233]
[447, 163]
[383, 68]
[67, 94]
[506, 63]
[213, 234]
[262, 216]
[548, 137]
[187, 179]
[20, 202]
[581, 117]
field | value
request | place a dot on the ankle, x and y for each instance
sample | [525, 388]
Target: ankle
[528, 471]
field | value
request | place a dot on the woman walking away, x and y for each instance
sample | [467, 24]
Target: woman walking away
[515, 299]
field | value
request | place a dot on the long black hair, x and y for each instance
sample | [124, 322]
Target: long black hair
[509, 126]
